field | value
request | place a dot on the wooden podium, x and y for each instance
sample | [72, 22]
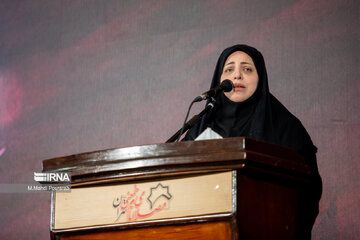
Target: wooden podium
[234, 188]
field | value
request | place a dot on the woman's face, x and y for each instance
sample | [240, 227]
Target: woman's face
[240, 69]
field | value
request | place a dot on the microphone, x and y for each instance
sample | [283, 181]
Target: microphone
[225, 86]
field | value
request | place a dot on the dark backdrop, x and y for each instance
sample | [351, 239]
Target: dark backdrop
[78, 76]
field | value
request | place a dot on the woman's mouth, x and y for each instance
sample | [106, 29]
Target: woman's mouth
[238, 86]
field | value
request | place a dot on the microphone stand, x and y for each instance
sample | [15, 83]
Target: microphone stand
[189, 124]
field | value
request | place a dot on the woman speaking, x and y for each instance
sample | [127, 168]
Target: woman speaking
[250, 110]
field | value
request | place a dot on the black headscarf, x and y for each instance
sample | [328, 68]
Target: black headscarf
[260, 117]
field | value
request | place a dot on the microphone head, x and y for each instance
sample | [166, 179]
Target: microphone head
[227, 85]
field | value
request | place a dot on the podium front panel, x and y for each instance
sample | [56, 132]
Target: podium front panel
[140, 202]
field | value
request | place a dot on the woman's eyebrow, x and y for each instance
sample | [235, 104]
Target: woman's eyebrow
[230, 63]
[240, 63]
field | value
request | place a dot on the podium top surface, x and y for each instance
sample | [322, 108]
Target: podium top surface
[137, 162]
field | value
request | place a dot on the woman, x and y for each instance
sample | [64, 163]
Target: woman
[251, 110]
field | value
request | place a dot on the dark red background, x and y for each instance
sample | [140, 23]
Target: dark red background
[78, 76]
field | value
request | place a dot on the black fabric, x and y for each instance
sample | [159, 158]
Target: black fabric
[261, 117]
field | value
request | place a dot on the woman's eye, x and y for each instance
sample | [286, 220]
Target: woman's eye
[247, 69]
[228, 70]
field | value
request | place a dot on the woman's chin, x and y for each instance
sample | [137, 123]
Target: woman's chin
[235, 97]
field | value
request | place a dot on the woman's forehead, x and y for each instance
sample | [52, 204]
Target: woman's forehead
[239, 56]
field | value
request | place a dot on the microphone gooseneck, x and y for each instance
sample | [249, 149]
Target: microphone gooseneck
[225, 86]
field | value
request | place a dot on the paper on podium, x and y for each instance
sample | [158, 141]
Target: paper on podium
[208, 134]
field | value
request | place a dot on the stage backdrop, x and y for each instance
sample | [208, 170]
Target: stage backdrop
[78, 76]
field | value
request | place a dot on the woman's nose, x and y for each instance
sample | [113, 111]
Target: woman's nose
[237, 74]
